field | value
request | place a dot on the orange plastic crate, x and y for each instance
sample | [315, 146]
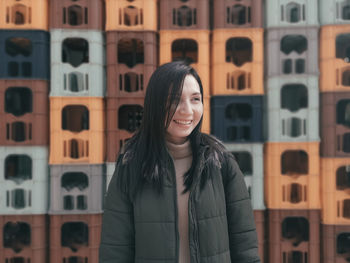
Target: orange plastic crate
[206, 115]
[331, 67]
[228, 78]
[88, 146]
[25, 14]
[288, 189]
[201, 37]
[131, 15]
[335, 208]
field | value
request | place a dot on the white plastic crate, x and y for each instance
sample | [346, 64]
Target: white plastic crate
[255, 179]
[333, 12]
[77, 189]
[21, 195]
[291, 13]
[76, 77]
[292, 124]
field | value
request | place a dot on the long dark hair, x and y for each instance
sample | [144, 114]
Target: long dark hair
[146, 150]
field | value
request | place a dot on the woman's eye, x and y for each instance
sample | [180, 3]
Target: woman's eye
[197, 99]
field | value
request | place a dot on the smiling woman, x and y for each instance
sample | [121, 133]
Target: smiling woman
[177, 195]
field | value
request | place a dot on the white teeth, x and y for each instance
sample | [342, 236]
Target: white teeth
[183, 122]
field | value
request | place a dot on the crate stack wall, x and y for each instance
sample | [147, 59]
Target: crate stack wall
[24, 125]
[184, 34]
[334, 129]
[237, 94]
[291, 128]
[77, 129]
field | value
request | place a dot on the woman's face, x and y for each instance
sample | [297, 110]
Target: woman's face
[188, 113]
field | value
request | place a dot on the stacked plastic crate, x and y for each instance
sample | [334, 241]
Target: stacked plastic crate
[335, 129]
[292, 175]
[24, 87]
[237, 93]
[131, 37]
[77, 170]
[184, 35]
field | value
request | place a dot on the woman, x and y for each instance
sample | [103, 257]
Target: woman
[176, 194]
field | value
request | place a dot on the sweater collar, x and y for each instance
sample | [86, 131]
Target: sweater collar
[179, 151]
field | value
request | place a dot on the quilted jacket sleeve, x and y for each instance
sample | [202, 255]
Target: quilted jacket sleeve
[117, 236]
[240, 218]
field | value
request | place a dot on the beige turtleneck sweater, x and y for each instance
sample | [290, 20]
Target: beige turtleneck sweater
[182, 157]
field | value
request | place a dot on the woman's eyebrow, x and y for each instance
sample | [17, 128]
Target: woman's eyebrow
[196, 93]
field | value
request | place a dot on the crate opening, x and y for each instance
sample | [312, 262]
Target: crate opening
[345, 78]
[184, 16]
[342, 44]
[18, 168]
[294, 162]
[77, 148]
[238, 15]
[19, 14]
[75, 118]
[239, 111]
[130, 117]
[237, 80]
[70, 180]
[346, 208]
[343, 112]
[75, 51]
[343, 245]
[343, 178]
[18, 46]
[130, 52]
[133, 16]
[296, 43]
[295, 230]
[345, 10]
[75, 15]
[185, 49]
[76, 82]
[17, 235]
[239, 50]
[293, 12]
[18, 100]
[74, 235]
[294, 97]
[131, 82]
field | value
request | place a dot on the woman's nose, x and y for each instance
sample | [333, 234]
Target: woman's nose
[185, 107]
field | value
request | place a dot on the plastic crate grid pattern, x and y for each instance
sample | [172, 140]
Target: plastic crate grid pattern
[25, 41]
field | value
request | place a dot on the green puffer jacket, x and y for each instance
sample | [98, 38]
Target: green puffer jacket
[221, 223]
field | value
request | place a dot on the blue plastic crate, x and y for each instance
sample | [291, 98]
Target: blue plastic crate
[237, 118]
[25, 54]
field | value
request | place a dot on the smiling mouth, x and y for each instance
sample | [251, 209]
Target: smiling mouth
[182, 122]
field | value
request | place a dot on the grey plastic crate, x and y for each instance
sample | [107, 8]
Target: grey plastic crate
[23, 180]
[292, 109]
[291, 51]
[77, 189]
[78, 74]
[251, 161]
[291, 13]
[334, 12]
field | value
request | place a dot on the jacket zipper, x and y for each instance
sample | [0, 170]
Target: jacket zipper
[194, 216]
[176, 212]
[194, 223]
